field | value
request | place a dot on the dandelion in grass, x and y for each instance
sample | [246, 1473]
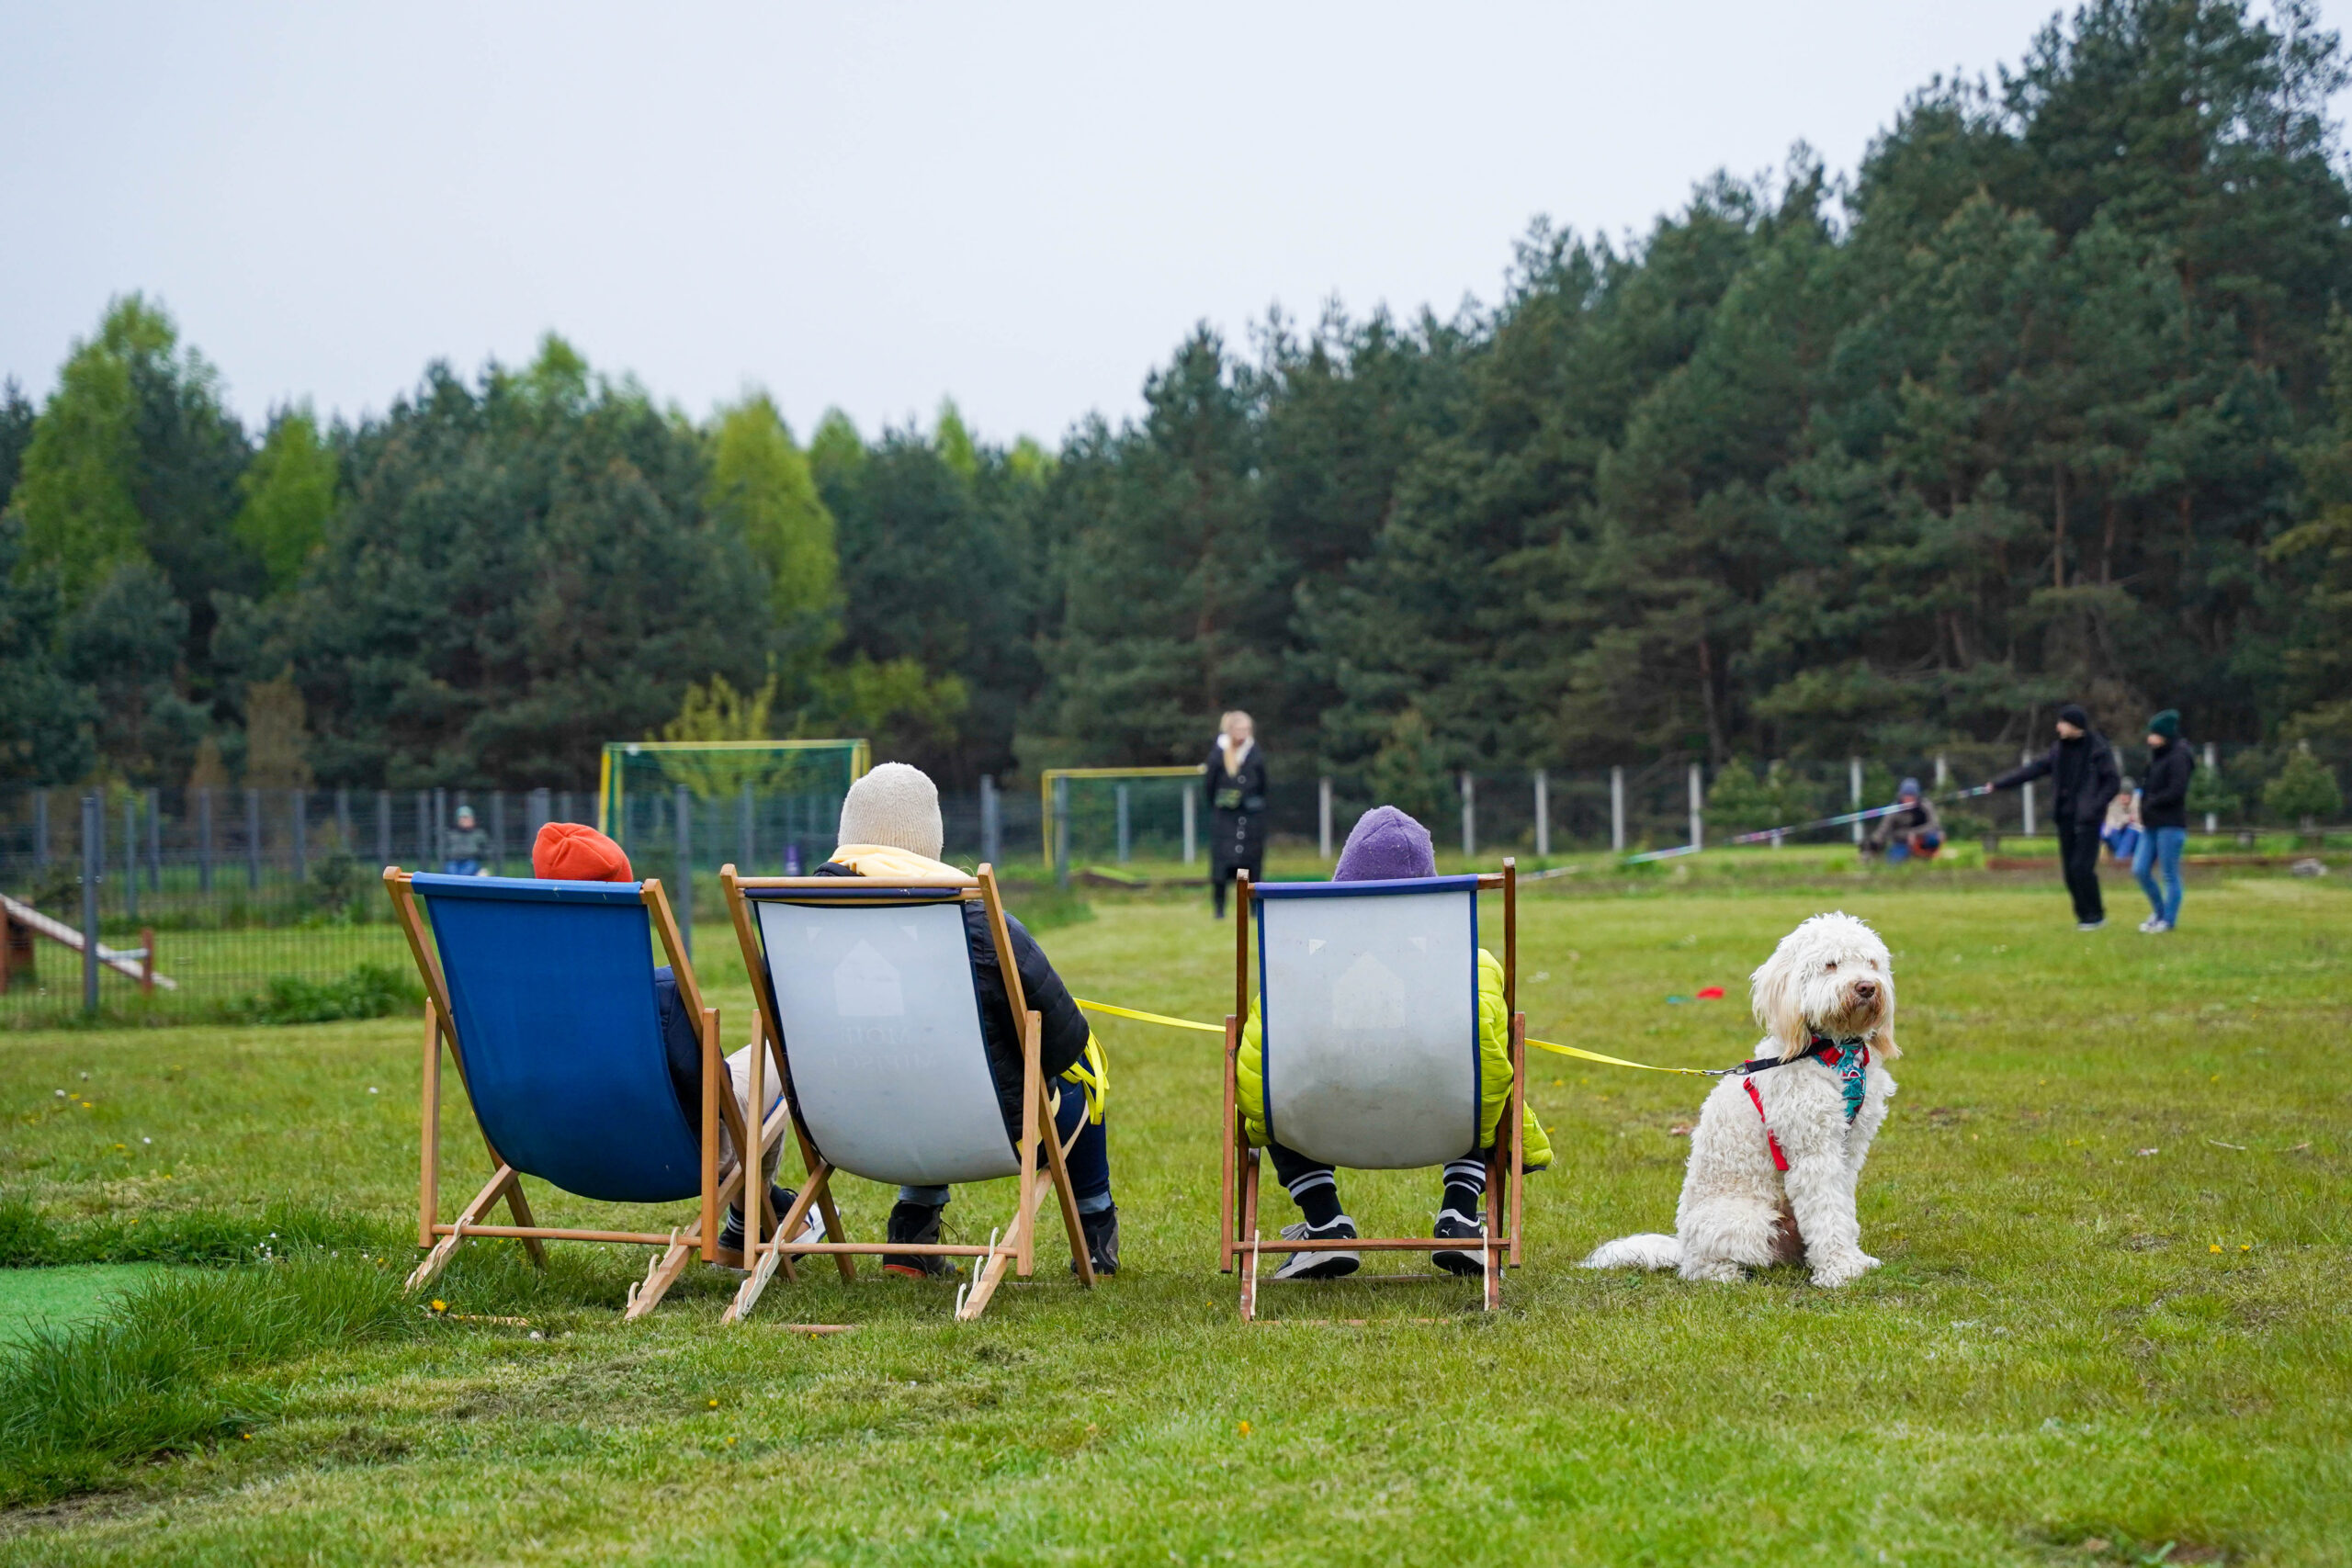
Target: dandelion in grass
[1243, 1429]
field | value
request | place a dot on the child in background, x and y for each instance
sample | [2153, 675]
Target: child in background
[2120, 831]
[1388, 845]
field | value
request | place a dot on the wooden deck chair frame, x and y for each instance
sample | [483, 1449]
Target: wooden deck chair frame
[1237, 1238]
[1014, 1247]
[678, 1247]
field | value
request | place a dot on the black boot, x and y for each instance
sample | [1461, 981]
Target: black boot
[1102, 1231]
[918, 1225]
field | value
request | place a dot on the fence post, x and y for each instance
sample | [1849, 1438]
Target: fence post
[343, 819]
[301, 814]
[1323, 817]
[156, 840]
[2211, 824]
[534, 816]
[424, 857]
[1469, 817]
[1943, 773]
[1121, 795]
[682, 900]
[204, 839]
[1854, 789]
[440, 825]
[1617, 810]
[1191, 828]
[93, 863]
[992, 847]
[1542, 815]
[131, 855]
[383, 829]
[1697, 840]
[1061, 833]
[498, 832]
[564, 807]
[40, 829]
[147, 961]
[253, 838]
[2025, 797]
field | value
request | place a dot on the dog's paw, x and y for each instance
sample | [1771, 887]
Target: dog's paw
[1833, 1272]
[1712, 1271]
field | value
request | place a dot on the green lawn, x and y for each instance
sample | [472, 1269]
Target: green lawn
[2056, 1365]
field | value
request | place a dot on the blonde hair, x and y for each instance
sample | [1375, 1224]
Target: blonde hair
[1225, 725]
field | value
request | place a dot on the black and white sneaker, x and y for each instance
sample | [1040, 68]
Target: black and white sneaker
[1454, 1225]
[917, 1223]
[1102, 1231]
[780, 1198]
[2089, 925]
[1320, 1265]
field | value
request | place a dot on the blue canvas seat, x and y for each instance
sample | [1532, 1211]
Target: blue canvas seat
[544, 991]
[869, 991]
[1368, 1047]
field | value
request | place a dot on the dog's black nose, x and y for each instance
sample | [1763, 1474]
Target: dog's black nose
[1865, 989]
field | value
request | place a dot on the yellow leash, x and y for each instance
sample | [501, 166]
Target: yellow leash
[1148, 1017]
[1542, 1044]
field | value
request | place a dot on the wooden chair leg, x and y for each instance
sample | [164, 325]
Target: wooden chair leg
[1228, 1146]
[500, 1184]
[1250, 1230]
[1058, 1168]
[812, 1162]
[646, 1294]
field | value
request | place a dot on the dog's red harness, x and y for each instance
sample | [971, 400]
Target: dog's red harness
[1823, 1047]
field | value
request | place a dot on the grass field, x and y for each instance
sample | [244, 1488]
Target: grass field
[2116, 1314]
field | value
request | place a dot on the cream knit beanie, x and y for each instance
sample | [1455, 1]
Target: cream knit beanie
[895, 806]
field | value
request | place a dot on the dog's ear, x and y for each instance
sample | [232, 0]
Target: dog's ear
[1775, 993]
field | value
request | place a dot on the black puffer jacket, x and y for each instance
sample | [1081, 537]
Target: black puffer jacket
[2086, 772]
[1062, 1032]
[2163, 793]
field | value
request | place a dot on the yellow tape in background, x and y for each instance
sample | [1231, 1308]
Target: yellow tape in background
[1541, 1044]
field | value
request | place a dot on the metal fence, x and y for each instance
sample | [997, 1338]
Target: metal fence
[199, 900]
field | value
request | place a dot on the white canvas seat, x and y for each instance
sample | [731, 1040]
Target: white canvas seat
[1368, 1034]
[868, 992]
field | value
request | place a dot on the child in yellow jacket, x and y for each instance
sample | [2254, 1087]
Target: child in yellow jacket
[1385, 845]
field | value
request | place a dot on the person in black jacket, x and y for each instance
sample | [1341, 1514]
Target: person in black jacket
[2082, 764]
[1236, 785]
[890, 826]
[2163, 819]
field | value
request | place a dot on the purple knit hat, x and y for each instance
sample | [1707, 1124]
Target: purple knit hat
[1385, 846]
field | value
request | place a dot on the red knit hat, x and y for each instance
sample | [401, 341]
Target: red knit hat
[573, 852]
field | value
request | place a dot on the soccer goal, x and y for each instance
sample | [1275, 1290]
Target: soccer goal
[1115, 815]
[764, 805]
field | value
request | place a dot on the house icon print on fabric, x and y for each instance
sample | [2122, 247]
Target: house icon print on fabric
[865, 984]
[1369, 996]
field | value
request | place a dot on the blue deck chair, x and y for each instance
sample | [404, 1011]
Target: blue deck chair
[869, 990]
[1368, 1034]
[544, 992]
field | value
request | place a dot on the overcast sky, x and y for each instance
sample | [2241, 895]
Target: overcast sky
[869, 205]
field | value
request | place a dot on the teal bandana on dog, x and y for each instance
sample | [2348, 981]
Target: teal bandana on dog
[1852, 1060]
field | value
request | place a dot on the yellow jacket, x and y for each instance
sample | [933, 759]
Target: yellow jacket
[1494, 1071]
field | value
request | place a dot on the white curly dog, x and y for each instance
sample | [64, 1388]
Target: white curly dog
[1779, 1145]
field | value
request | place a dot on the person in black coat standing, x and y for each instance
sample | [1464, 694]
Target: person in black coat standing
[1235, 784]
[2164, 820]
[2083, 766]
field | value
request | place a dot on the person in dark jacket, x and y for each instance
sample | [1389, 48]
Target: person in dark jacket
[891, 827]
[2082, 765]
[1236, 785]
[1916, 830]
[2164, 820]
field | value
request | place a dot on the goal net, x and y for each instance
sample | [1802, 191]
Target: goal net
[765, 805]
[1119, 816]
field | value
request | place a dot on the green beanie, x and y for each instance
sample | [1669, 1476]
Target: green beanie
[2167, 723]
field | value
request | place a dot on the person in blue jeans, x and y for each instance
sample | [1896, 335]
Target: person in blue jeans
[2164, 820]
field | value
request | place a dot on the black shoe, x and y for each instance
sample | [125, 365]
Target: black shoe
[1452, 1225]
[1320, 1265]
[780, 1200]
[916, 1224]
[1102, 1231]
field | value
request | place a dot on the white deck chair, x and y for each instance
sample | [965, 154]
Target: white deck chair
[1368, 1019]
[866, 990]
